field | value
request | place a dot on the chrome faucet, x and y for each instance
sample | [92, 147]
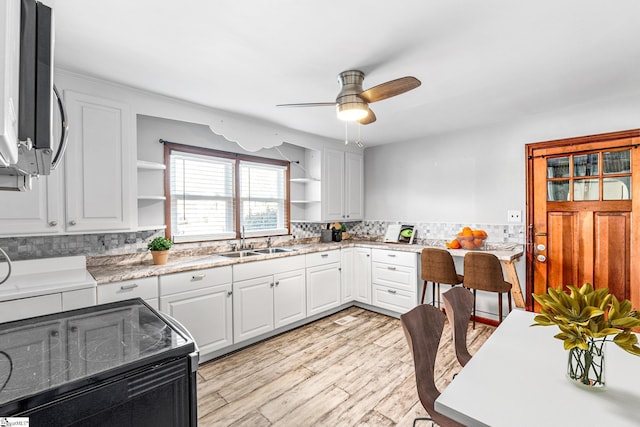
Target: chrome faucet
[242, 239]
[269, 242]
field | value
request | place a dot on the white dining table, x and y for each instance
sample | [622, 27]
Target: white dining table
[518, 378]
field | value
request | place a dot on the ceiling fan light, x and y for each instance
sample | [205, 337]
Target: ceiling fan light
[352, 111]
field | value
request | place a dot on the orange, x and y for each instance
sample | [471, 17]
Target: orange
[467, 231]
[477, 233]
[482, 233]
[454, 244]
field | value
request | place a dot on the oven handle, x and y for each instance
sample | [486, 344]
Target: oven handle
[64, 133]
[195, 355]
[8, 266]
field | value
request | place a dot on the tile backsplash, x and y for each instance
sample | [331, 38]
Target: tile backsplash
[20, 248]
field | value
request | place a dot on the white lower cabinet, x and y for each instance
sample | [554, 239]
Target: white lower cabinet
[275, 299]
[394, 278]
[323, 281]
[201, 301]
[356, 273]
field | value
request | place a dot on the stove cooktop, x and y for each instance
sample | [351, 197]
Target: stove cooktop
[53, 351]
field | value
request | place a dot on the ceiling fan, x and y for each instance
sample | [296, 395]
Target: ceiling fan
[352, 102]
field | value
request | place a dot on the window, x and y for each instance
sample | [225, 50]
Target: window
[598, 176]
[214, 195]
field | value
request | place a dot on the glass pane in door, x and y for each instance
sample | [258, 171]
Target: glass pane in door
[586, 189]
[558, 191]
[616, 188]
[558, 167]
[616, 162]
[585, 165]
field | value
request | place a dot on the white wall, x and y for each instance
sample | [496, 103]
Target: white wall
[476, 175]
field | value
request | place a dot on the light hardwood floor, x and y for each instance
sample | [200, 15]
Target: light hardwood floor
[324, 374]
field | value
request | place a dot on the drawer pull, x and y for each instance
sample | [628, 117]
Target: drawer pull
[391, 268]
[391, 291]
[127, 287]
[392, 255]
[229, 293]
[277, 283]
[197, 277]
[324, 255]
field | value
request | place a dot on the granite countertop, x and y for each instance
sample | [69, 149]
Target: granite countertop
[118, 268]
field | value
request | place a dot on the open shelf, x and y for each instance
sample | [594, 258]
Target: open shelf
[143, 164]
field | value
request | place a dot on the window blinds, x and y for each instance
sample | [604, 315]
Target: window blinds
[263, 198]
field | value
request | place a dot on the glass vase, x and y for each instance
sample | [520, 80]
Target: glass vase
[586, 368]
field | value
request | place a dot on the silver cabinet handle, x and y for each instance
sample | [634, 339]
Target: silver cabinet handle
[229, 293]
[277, 283]
[391, 291]
[73, 222]
[127, 287]
[391, 268]
[339, 268]
[324, 255]
[271, 285]
[368, 255]
[197, 277]
[53, 223]
[392, 255]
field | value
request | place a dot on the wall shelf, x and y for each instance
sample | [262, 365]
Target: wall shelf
[304, 180]
[152, 198]
[145, 165]
[305, 201]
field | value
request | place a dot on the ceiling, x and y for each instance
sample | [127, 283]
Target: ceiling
[480, 62]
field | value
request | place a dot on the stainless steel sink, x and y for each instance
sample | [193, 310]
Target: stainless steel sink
[238, 254]
[273, 250]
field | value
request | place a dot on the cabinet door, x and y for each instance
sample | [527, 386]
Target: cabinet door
[323, 288]
[354, 188]
[252, 307]
[100, 341]
[333, 185]
[347, 259]
[42, 365]
[289, 297]
[33, 211]
[206, 313]
[99, 167]
[361, 275]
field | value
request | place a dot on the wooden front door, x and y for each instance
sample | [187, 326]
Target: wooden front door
[583, 211]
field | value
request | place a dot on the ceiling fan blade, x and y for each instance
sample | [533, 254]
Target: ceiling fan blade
[390, 88]
[371, 117]
[309, 104]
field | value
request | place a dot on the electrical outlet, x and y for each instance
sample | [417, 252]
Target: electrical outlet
[514, 216]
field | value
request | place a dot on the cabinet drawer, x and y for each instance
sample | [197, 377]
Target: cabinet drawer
[250, 270]
[192, 280]
[392, 299]
[28, 307]
[408, 259]
[145, 288]
[321, 258]
[393, 276]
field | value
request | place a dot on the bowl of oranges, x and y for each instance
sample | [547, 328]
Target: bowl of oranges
[468, 239]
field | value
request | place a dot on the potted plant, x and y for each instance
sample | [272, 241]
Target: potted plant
[159, 248]
[587, 318]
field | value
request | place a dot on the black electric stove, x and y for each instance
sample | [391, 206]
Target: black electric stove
[113, 364]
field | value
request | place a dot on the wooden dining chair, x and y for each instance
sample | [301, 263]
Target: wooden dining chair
[438, 267]
[423, 327]
[483, 272]
[458, 304]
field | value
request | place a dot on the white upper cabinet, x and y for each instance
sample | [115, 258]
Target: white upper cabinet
[342, 186]
[9, 80]
[99, 163]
